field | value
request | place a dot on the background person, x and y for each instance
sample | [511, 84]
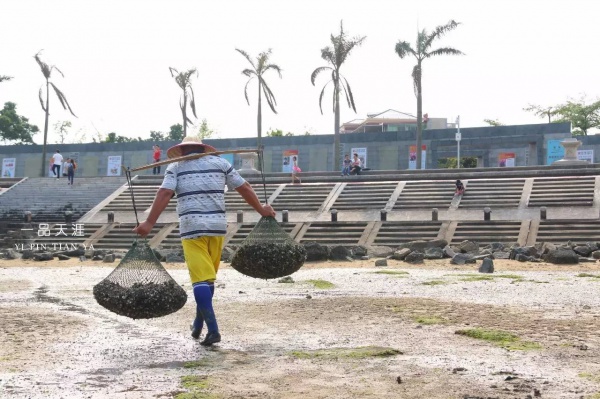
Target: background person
[356, 165]
[347, 163]
[295, 169]
[156, 156]
[71, 168]
[57, 161]
[202, 220]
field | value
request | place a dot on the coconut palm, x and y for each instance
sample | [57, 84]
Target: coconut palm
[184, 81]
[47, 72]
[423, 50]
[4, 78]
[336, 55]
[258, 70]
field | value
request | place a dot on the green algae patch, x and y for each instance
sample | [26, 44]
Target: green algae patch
[362, 352]
[321, 284]
[478, 278]
[194, 364]
[198, 386]
[588, 275]
[435, 282]
[392, 272]
[429, 320]
[504, 339]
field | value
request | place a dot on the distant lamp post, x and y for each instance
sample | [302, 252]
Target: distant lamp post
[458, 137]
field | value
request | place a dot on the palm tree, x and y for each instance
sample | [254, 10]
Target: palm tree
[4, 78]
[47, 72]
[341, 46]
[184, 81]
[423, 51]
[258, 69]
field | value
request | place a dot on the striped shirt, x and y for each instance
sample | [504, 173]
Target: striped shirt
[200, 188]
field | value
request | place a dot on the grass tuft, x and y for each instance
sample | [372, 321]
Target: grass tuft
[588, 275]
[435, 282]
[478, 278]
[429, 320]
[347, 353]
[391, 272]
[501, 338]
[321, 284]
[194, 364]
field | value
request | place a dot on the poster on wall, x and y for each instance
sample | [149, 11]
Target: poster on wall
[8, 167]
[586, 155]
[555, 151]
[362, 155]
[289, 156]
[113, 167]
[412, 156]
[506, 159]
[227, 157]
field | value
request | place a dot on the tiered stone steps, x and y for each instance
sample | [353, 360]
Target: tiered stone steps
[425, 194]
[562, 231]
[302, 197]
[493, 193]
[364, 196]
[121, 237]
[486, 232]
[144, 193]
[563, 192]
[59, 240]
[235, 202]
[7, 182]
[334, 233]
[393, 234]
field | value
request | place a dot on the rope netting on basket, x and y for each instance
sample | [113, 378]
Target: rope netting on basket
[268, 251]
[140, 287]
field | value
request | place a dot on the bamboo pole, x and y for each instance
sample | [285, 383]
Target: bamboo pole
[192, 156]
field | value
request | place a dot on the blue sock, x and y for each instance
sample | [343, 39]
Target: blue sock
[199, 320]
[203, 292]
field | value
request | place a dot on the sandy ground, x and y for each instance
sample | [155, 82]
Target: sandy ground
[57, 342]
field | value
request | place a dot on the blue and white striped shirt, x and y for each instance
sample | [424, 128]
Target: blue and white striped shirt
[200, 188]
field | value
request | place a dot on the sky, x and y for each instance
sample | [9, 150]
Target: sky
[116, 54]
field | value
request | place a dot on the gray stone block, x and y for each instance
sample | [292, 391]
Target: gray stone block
[381, 262]
[487, 266]
[422, 245]
[562, 257]
[401, 254]
[415, 257]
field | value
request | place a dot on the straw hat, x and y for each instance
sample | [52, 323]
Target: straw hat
[188, 142]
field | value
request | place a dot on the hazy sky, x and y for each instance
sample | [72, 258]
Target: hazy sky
[116, 57]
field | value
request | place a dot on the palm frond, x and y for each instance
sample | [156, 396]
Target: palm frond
[321, 96]
[245, 54]
[444, 51]
[348, 92]
[174, 72]
[5, 78]
[46, 71]
[59, 71]
[193, 102]
[316, 72]
[41, 100]
[63, 99]
[273, 66]
[439, 32]
[269, 96]
[246, 90]
[404, 48]
[248, 72]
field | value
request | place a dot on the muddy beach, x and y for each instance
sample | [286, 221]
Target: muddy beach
[340, 330]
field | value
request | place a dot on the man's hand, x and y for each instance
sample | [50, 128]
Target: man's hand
[144, 228]
[267, 210]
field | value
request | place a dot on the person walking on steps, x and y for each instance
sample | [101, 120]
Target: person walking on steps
[71, 168]
[295, 170]
[460, 188]
[156, 156]
[57, 160]
[202, 221]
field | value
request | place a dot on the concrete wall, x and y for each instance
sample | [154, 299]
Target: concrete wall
[385, 151]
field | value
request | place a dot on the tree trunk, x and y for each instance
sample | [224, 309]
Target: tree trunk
[183, 111]
[336, 132]
[259, 117]
[419, 119]
[44, 166]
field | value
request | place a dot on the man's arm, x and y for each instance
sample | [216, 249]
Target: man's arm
[163, 196]
[248, 194]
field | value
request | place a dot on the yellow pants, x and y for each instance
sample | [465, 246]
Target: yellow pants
[203, 256]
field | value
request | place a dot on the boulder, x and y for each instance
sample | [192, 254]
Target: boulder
[63, 257]
[501, 255]
[522, 258]
[562, 257]
[379, 251]
[487, 266]
[527, 251]
[286, 280]
[43, 256]
[315, 251]
[340, 252]
[108, 258]
[415, 257]
[358, 251]
[79, 251]
[420, 246]
[468, 247]
[434, 253]
[546, 247]
[461, 259]
[27, 254]
[401, 254]
[97, 257]
[582, 250]
[449, 252]
[496, 246]
[596, 254]
[11, 254]
[381, 262]
[593, 245]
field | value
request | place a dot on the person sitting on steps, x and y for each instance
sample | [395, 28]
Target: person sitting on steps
[460, 188]
[356, 165]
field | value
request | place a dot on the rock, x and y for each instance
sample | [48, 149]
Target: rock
[546, 247]
[526, 251]
[461, 259]
[501, 255]
[63, 257]
[420, 246]
[401, 254]
[43, 256]
[308, 296]
[97, 257]
[366, 257]
[286, 280]
[226, 254]
[379, 251]
[582, 250]
[593, 245]
[82, 258]
[522, 258]
[27, 254]
[109, 258]
[449, 252]
[381, 262]
[496, 246]
[562, 257]
[358, 251]
[175, 257]
[434, 253]
[315, 251]
[468, 247]
[586, 260]
[596, 254]
[487, 266]
[486, 252]
[340, 252]
[79, 251]
[11, 254]
[415, 257]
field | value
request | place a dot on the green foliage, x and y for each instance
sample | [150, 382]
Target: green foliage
[62, 129]
[503, 339]
[114, 138]
[493, 122]
[15, 128]
[278, 133]
[450, 163]
[156, 136]
[205, 132]
[582, 116]
[541, 112]
[176, 133]
[362, 352]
